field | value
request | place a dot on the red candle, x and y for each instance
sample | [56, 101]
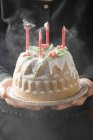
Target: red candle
[40, 44]
[63, 37]
[27, 37]
[47, 32]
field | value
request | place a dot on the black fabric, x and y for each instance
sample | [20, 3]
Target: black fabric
[46, 124]
[76, 15]
[8, 8]
[51, 127]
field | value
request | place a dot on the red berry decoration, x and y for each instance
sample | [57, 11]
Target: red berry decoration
[59, 46]
[42, 45]
[26, 54]
[45, 46]
[50, 54]
[54, 54]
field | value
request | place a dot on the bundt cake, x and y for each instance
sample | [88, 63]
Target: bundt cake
[52, 77]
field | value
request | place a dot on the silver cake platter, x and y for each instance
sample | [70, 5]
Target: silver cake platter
[29, 103]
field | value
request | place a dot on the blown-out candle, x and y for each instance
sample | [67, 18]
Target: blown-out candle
[63, 37]
[27, 37]
[40, 43]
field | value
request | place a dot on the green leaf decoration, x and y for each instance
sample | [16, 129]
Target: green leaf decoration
[61, 52]
[51, 47]
[29, 57]
[48, 58]
[34, 48]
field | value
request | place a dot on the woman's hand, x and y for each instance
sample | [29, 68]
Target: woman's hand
[4, 85]
[79, 101]
[8, 82]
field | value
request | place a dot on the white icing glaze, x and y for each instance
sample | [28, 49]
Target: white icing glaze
[58, 61]
[61, 61]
